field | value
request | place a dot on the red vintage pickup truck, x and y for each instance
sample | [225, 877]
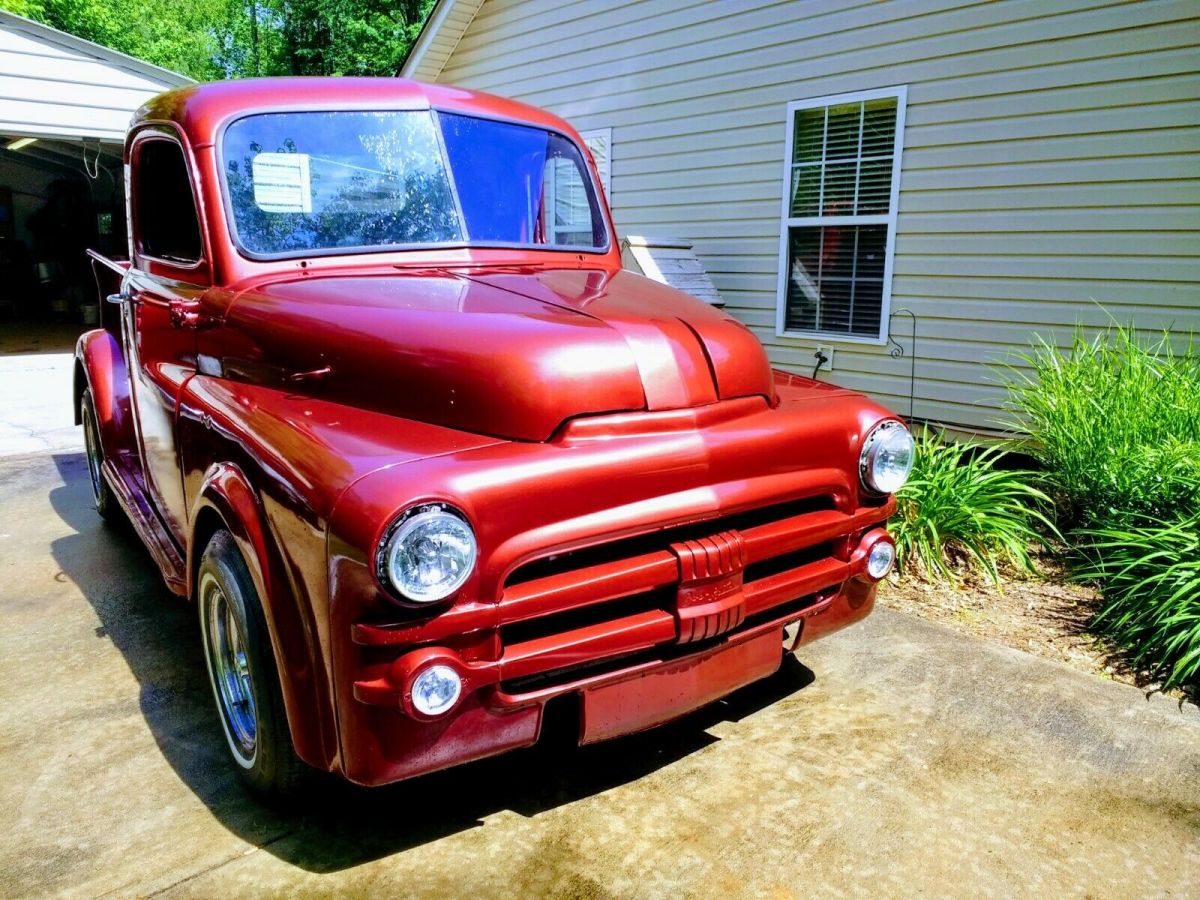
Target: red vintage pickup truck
[379, 399]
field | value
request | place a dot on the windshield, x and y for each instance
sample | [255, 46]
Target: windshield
[307, 182]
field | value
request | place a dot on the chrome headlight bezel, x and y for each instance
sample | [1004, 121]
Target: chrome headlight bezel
[880, 438]
[405, 526]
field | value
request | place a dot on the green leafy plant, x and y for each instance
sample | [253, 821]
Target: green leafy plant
[1115, 420]
[1151, 579]
[962, 509]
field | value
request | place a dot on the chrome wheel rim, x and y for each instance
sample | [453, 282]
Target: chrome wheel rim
[92, 444]
[229, 669]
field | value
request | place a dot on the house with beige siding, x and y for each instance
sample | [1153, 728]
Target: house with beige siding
[912, 183]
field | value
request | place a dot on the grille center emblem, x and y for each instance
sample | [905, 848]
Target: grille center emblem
[710, 599]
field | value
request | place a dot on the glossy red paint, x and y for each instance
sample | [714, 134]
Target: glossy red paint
[652, 503]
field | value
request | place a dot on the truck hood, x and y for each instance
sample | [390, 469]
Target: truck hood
[505, 352]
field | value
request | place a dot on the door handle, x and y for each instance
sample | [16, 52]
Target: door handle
[187, 314]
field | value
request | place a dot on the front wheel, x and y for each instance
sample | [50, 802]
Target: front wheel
[106, 503]
[241, 668]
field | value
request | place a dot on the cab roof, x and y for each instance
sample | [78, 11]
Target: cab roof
[201, 110]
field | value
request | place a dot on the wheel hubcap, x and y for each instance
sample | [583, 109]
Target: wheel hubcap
[229, 666]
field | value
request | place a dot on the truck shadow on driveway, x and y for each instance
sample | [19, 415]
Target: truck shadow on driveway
[338, 825]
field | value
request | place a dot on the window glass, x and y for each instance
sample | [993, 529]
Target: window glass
[835, 281]
[318, 181]
[164, 208]
[311, 181]
[521, 185]
[565, 198]
[839, 216]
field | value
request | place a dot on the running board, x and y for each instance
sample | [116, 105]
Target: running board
[146, 523]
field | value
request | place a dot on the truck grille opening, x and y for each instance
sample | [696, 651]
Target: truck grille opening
[567, 616]
[586, 616]
[562, 676]
[634, 546]
[794, 560]
[609, 605]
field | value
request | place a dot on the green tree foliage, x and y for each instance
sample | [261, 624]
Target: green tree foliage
[183, 37]
[212, 39]
[30, 9]
[347, 37]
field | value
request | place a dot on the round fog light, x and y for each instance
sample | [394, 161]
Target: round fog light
[435, 690]
[881, 558]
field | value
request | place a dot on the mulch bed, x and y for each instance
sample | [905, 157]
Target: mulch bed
[1047, 616]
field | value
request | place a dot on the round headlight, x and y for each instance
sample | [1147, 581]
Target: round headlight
[881, 559]
[429, 554]
[887, 458]
[435, 690]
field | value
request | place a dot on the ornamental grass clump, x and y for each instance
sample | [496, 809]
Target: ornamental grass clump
[1150, 575]
[963, 510]
[1115, 420]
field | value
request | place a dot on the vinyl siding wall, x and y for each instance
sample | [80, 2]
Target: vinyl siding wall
[443, 40]
[1051, 167]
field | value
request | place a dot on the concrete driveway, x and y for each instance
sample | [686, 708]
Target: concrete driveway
[36, 415]
[894, 758]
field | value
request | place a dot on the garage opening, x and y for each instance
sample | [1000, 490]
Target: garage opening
[57, 199]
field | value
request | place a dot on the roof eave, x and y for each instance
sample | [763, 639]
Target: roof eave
[99, 50]
[420, 47]
[430, 31]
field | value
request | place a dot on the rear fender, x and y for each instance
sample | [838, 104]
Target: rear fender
[100, 366]
[228, 500]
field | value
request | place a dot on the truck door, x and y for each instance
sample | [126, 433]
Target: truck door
[169, 273]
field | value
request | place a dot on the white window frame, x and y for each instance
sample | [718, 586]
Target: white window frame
[787, 221]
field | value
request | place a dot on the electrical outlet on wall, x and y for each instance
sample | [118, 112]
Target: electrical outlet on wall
[826, 363]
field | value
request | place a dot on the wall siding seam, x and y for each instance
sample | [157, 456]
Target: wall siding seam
[656, 152]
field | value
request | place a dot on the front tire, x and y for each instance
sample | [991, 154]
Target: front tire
[241, 669]
[106, 503]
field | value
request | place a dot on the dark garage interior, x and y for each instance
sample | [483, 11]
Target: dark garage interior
[57, 199]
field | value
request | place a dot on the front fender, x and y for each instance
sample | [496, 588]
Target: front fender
[100, 366]
[227, 500]
[269, 465]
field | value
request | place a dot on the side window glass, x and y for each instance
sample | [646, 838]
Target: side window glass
[565, 200]
[164, 210]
